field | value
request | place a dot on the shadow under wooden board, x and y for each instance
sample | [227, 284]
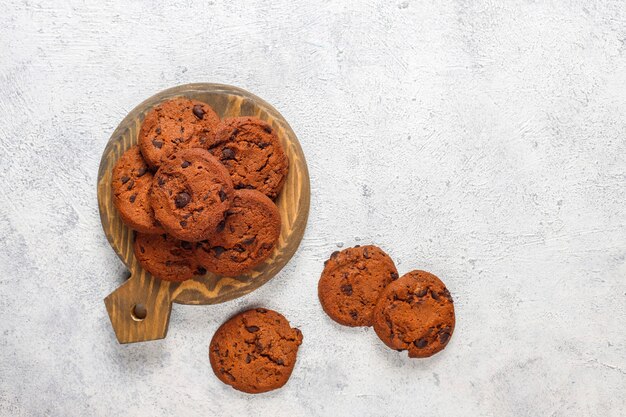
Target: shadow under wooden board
[140, 308]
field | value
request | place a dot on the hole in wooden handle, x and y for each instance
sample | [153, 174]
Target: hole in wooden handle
[139, 312]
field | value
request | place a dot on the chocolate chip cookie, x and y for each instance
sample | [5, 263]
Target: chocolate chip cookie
[255, 351]
[251, 150]
[131, 186]
[351, 282]
[191, 192]
[415, 313]
[245, 238]
[167, 258]
[174, 125]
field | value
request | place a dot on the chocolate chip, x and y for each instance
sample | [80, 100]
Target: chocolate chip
[142, 249]
[228, 153]
[434, 295]
[252, 329]
[366, 253]
[394, 276]
[444, 335]
[186, 245]
[157, 143]
[124, 179]
[422, 292]
[130, 185]
[258, 346]
[161, 181]
[158, 130]
[221, 225]
[354, 314]
[239, 249]
[200, 270]
[249, 241]
[420, 343]
[183, 223]
[223, 195]
[142, 171]
[182, 199]
[357, 246]
[268, 129]
[446, 294]
[263, 145]
[346, 289]
[234, 133]
[334, 254]
[132, 198]
[218, 250]
[261, 310]
[185, 164]
[248, 358]
[198, 111]
[280, 362]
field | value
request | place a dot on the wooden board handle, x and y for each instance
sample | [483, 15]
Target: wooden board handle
[140, 309]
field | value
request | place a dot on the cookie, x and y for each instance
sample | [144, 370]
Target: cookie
[255, 351]
[351, 282]
[166, 258]
[415, 313]
[174, 125]
[246, 237]
[252, 152]
[131, 184]
[190, 194]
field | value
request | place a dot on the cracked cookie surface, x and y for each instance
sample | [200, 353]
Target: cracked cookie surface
[351, 282]
[415, 313]
[255, 351]
[131, 183]
[246, 237]
[190, 194]
[251, 150]
[176, 124]
[166, 258]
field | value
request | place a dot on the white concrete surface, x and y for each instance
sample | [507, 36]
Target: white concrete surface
[484, 141]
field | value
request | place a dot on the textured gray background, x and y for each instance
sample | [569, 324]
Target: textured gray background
[481, 141]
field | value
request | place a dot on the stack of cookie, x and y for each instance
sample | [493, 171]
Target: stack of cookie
[360, 287]
[198, 191]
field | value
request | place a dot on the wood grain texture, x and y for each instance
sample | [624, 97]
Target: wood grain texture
[156, 295]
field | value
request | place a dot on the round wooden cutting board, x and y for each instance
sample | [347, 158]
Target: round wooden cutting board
[140, 308]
